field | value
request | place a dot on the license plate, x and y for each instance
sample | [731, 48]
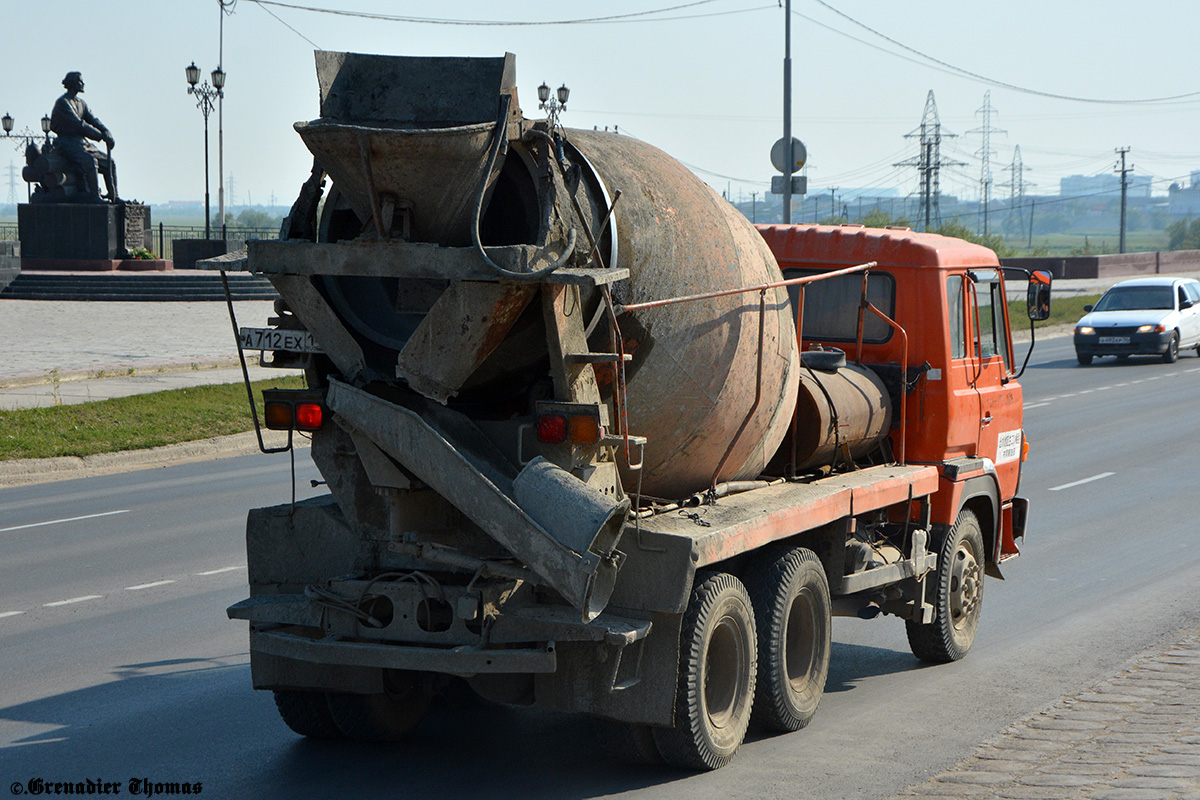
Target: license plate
[1114, 340]
[278, 339]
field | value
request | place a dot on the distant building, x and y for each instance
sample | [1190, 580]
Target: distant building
[1184, 201]
[1091, 185]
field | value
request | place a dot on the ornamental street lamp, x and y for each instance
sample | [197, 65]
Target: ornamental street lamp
[205, 94]
[25, 138]
[553, 106]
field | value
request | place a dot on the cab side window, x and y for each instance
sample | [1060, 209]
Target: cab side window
[1181, 296]
[954, 307]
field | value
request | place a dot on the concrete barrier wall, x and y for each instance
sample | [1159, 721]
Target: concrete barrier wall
[1128, 265]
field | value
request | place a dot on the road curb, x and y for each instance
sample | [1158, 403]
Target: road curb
[26, 471]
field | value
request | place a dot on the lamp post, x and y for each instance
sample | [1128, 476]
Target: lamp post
[205, 94]
[553, 105]
[25, 137]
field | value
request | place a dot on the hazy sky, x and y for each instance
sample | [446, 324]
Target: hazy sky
[703, 82]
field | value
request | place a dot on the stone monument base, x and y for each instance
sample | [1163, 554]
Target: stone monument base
[82, 231]
[96, 265]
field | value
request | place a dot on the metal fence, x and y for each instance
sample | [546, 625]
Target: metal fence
[163, 236]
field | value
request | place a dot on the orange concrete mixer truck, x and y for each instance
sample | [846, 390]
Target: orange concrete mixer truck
[595, 443]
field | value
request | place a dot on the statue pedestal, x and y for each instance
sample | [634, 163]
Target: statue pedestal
[81, 231]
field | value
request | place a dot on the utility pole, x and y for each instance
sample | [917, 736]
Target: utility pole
[1124, 189]
[787, 113]
[753, 207]
[1031, 203]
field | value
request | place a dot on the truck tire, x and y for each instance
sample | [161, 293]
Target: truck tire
[1171, 354]
[792, 609]
[307, 713]
[717, 664]
[385, 717]
[956, 592]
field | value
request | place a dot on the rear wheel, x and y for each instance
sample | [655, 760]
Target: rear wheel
[717, 664]
[956, 591]
[792, 616]
[1172, 352]
[1083, 358]
[307, 713]
[384, 717]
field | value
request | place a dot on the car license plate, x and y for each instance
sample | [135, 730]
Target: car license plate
[1114, 340]
[278, 339]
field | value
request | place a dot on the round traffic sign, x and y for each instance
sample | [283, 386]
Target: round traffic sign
[779, 157]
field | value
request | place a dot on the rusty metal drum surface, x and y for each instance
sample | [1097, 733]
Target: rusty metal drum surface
[693, 379]
[839, 410]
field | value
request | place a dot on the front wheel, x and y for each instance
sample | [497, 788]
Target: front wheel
[956, 591]
[792, 614]
[1172, 352]
[1083, 358]
[717, 666]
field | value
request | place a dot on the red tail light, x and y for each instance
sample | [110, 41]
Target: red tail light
[551, 428]
[309, 416]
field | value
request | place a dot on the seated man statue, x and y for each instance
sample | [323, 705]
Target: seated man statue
[75, 124]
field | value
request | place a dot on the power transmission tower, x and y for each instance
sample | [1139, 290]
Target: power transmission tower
[1124, 188]
[12, 184]
[985, 154]
[929, 161]
[1016, 185]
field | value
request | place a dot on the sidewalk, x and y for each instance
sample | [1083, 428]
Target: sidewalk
[73, 352]
[1134, 736]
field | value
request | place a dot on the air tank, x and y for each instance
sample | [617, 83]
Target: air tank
[712, 383]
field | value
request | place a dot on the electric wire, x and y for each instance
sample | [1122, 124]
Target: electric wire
[993, 81]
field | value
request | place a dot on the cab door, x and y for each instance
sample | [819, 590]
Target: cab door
[1000, 401]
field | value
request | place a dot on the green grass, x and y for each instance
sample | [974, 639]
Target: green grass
[1063, 309]
[132, 423]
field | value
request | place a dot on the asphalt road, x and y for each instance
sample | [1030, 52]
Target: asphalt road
[138, 678]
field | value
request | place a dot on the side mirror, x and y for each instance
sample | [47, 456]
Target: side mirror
[1087, 309]
[1038, 301]
[1185, 304]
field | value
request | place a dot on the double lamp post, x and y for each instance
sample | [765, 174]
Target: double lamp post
[205, 94]
[27, 136]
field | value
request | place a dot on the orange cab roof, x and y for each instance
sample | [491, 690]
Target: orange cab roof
[853, 244]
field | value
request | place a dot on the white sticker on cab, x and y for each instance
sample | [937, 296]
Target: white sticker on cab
[1008, 446]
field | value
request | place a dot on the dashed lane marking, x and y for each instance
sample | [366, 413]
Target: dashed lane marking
[73, 600]
[1073, 484]
[4, 614]
[59, 521]
[141, 586]
[1036, 405]
[222, 569]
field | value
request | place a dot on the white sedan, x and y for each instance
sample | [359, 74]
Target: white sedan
[1144, 316]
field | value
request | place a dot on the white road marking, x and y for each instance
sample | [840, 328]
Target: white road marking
[73, 600]
[1073, 484]
[1036, 405]
[141, 586]
[1193, 369]
[68, 519]
[4, 614]
[222, 569]
[1067, 395]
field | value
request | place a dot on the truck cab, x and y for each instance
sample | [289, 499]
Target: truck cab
[962, 403]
